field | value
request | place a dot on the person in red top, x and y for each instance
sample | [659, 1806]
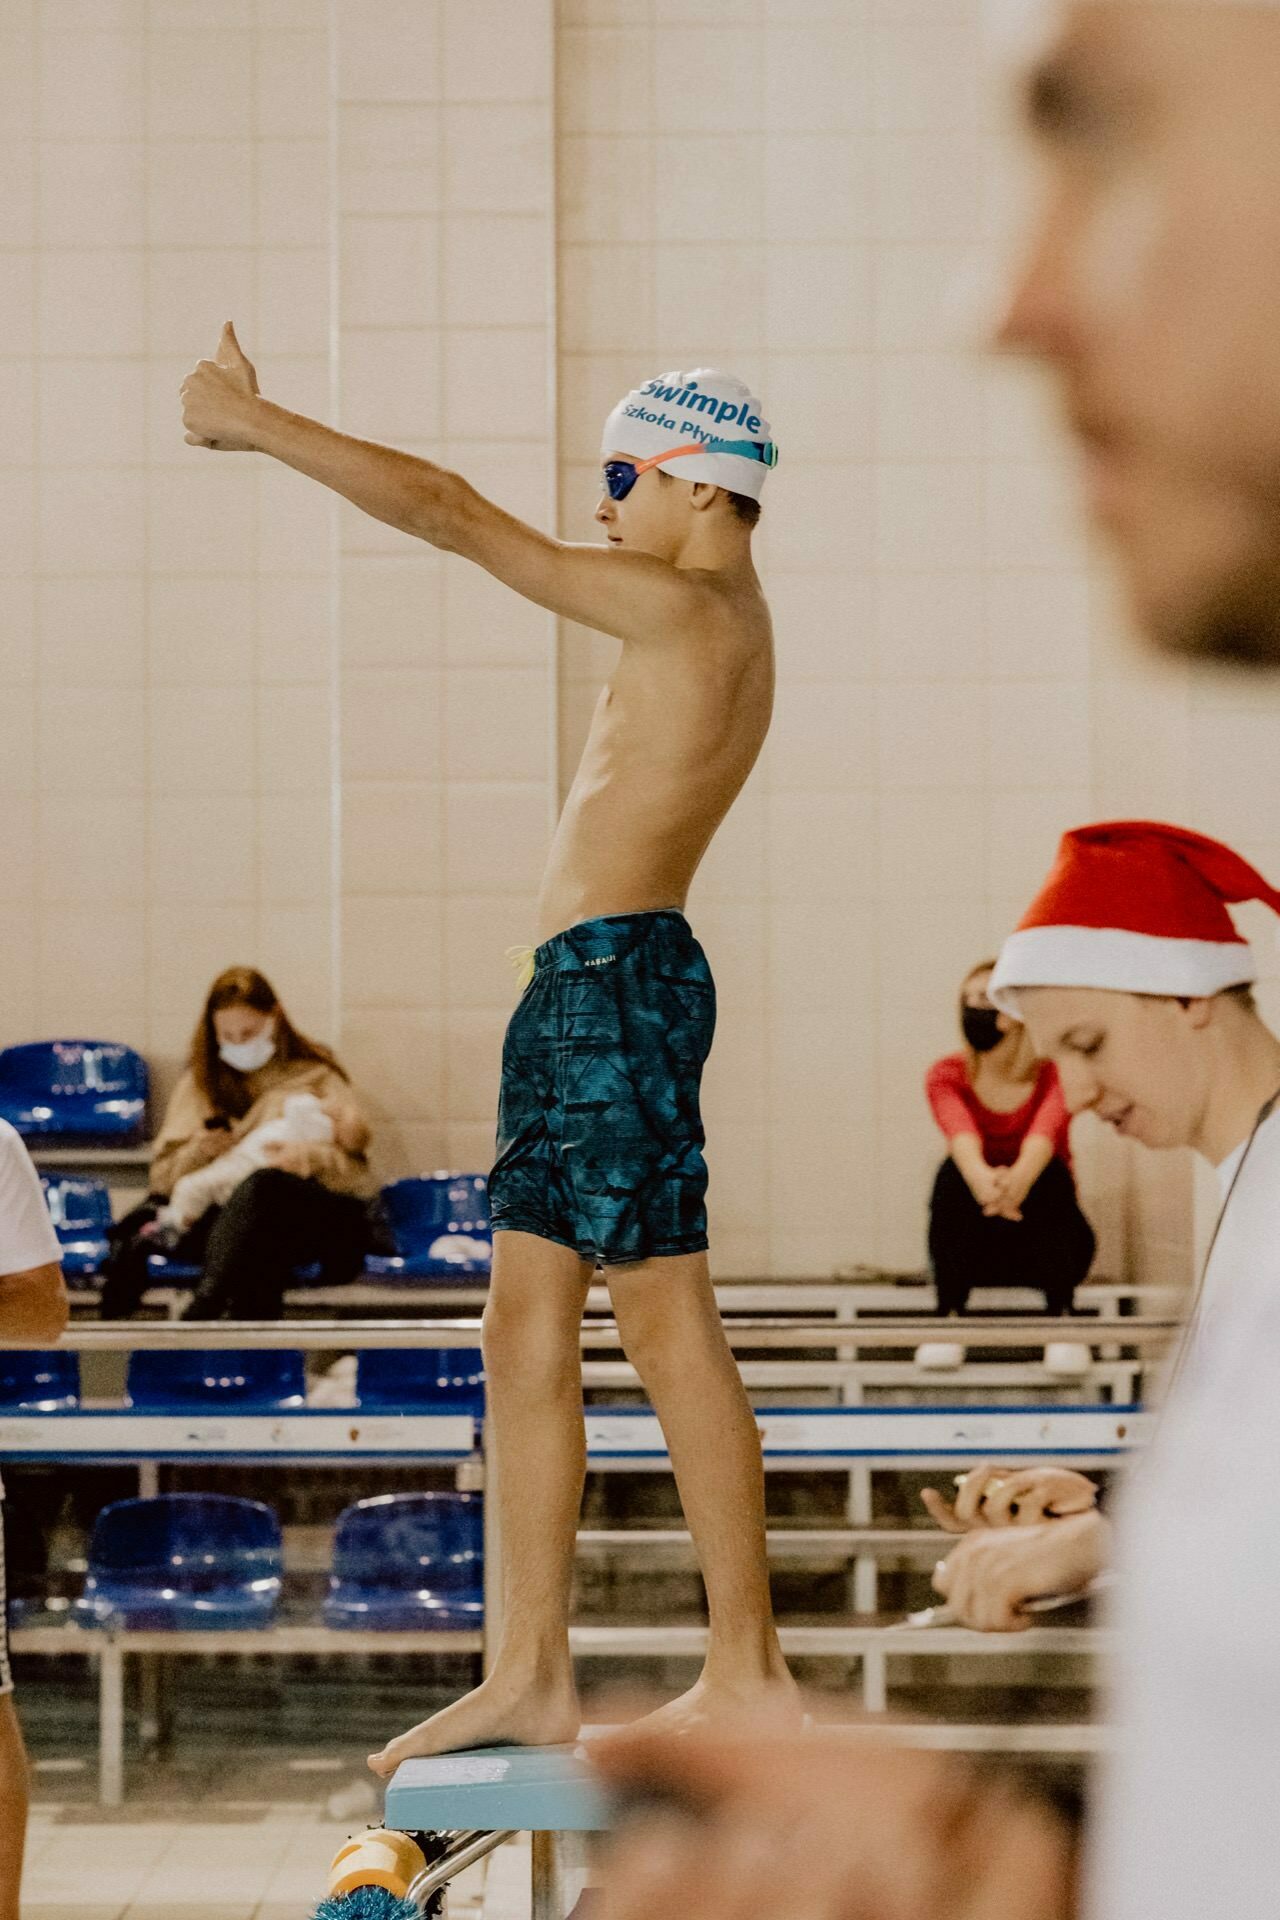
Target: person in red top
[1004, 1211]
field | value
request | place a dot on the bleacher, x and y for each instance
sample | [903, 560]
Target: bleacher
[850, 1419]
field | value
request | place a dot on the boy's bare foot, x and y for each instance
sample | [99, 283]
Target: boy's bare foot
[709, 1700]
[499, 1712]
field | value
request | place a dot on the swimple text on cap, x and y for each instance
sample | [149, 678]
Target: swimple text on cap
[706, 403]
[715, 410]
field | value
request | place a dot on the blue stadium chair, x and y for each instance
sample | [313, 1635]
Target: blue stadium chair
[81, 1215]
[32, 1382]
[440, 1225]
[229, 1381]
[183, 1560]
[83, 1092]
[407, 1560]
[421, 1380]
[163, 1271]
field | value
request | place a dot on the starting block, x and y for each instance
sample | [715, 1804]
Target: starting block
[463, 1805]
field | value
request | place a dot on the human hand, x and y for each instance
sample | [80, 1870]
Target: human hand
[218, 398]
[989, 1576]
[291, 1156]
[994, 1496]
[823, 1826]
[350, 1129]
[987, 1187]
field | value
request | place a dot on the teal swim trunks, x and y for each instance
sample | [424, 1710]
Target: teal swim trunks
[600, 1132]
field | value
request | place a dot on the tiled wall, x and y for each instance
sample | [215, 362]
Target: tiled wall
[237, 721]
[445, 347]
[813, 193]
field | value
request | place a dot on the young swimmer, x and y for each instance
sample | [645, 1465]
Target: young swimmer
[600, 1139]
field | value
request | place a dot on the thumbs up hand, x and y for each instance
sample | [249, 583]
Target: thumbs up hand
[218, 399]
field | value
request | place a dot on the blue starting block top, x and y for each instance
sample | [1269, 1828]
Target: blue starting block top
[497, 1790]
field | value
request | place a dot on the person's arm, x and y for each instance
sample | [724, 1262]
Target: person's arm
[633, 596]
[33, 1306]
[1034, 1156]
[184, 1143]
[945, 1091]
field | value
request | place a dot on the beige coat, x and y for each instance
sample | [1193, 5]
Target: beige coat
[185, 1143]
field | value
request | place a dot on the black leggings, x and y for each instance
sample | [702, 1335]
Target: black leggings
[1051, 1247]
[273, 1223]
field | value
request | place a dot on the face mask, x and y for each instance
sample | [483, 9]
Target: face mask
[980, 1028]
[246, 1056]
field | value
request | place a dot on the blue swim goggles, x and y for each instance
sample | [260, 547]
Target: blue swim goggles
[621, 475]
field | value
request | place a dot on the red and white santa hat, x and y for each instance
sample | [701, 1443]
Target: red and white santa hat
[1136, 907]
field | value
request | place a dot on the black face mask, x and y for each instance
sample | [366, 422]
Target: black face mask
[980, 1028]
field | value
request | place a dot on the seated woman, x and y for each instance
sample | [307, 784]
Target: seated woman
[1004, 1211]
[296, 1201]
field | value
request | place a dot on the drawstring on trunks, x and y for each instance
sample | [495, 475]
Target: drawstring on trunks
[521, 961]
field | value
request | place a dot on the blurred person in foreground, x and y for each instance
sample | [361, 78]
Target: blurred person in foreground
[1149, 288]
[33, 1313]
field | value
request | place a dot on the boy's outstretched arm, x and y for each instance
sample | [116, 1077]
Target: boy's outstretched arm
[630, 595]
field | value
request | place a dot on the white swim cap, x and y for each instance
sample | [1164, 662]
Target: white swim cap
[704, 409]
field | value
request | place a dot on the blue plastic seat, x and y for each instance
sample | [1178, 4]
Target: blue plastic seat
[183, 1560]
[229, 1380]
[79, 1091]
[408, 1560]
[81, 1215]
[162, 1271]
[421, 1379]
[35, 1382]
[440, 1225]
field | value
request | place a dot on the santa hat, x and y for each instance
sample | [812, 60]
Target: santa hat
[1136, 907]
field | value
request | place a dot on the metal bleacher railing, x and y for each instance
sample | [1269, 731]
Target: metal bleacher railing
[822, 1359]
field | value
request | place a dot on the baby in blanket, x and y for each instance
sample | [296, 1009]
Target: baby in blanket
[304, 1118]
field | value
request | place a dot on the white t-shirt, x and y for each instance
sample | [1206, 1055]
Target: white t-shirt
[1190, 1822]
[27, 1238]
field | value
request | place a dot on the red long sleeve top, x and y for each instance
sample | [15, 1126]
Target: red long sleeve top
[957, 1109]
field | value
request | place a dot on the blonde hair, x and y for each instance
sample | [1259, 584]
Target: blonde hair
[1025, 1062]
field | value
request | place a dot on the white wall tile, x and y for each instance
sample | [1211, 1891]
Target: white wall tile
[388, 50]
[199, 86]
[497, 383]
[606, 187]
[497, 158]
[497, 49]
[200, 193]
[391, 611]
[817, 187]
[295, 627]
[819, 299]
[92, 193]
[292, 80]
[605, 83]
[205, 856]
[292, 184]
[88, 740]
[391, 725]
[816, 82]
[91, 302]
[200, 630]
[200, 518]
[295, 747]
[91, 411]
[92, 520]
[497, 270]
[201, 740]
[495, 724]
[392, 837]
[91, 86]
[391, 383]
[389, 158]
[18, 296]
[390, 273]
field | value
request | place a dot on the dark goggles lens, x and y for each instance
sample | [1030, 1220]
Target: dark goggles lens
[619, 478]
